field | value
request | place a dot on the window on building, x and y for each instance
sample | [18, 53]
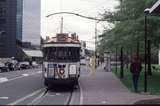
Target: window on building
[2, 11]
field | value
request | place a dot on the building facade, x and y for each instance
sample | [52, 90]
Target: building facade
[11, 13]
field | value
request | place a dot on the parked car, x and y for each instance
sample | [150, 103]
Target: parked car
[83, 61]
[3, 67]
[24, 65]
[10, 66]
[34, 64]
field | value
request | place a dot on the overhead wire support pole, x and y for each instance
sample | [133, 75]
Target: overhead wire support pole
[95, 44]
[146, 11]
[145, 67]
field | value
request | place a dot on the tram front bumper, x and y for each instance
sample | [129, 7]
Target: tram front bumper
[51, 81]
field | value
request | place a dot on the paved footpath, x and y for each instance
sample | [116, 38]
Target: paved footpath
[105, 88]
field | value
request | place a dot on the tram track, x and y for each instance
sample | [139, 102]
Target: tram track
[63, 95]
[38, 98]
[48, 93]
[68, 101]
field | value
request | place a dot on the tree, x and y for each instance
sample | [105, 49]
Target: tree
[128, 30]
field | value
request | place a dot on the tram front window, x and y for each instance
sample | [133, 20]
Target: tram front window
[62, 54]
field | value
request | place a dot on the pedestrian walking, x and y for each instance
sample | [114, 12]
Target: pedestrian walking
[135, 69]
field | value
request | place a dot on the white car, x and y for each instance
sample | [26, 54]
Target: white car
[24, 65]
[34, 64]
[83, 61]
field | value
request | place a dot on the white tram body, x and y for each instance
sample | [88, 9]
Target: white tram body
[61, 59]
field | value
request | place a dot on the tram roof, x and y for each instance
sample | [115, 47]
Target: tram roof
[61, 45]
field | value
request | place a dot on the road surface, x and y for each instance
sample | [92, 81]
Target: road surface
[26, 87]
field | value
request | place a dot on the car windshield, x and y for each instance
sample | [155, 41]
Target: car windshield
[62, 54]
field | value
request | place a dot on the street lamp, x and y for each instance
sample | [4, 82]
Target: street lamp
[146, 11]
[96, 43]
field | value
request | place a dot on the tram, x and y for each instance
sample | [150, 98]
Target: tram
[61, 63]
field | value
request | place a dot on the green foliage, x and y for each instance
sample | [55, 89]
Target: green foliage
[129, 27]
[153, 81]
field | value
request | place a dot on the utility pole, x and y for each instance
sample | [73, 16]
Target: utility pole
[95, 43]
[122, 63]
[145, 37]
[149, 58]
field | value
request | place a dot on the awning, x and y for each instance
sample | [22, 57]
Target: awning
[33, 53]
[155, 9]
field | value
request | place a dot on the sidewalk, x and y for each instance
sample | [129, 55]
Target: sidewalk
[106, 88]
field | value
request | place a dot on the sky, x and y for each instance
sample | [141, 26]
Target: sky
[31, 21]
[84, 28]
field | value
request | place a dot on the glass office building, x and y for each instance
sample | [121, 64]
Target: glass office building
[11, 13]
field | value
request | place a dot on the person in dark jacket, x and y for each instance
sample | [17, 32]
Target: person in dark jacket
[135, 69]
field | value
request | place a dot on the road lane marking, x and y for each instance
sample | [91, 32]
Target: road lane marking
[26, 97]
[15, 78]
[3, 79]
[50, 94]
[25, 75]
[39, 72]
[57, 94]
[104, 102]
[81, 94]
[4, 97]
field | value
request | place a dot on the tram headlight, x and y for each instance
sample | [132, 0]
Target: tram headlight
[61, 71]
[72, 69]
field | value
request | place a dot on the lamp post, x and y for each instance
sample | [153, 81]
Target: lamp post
[96, 44]
[146, 11]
